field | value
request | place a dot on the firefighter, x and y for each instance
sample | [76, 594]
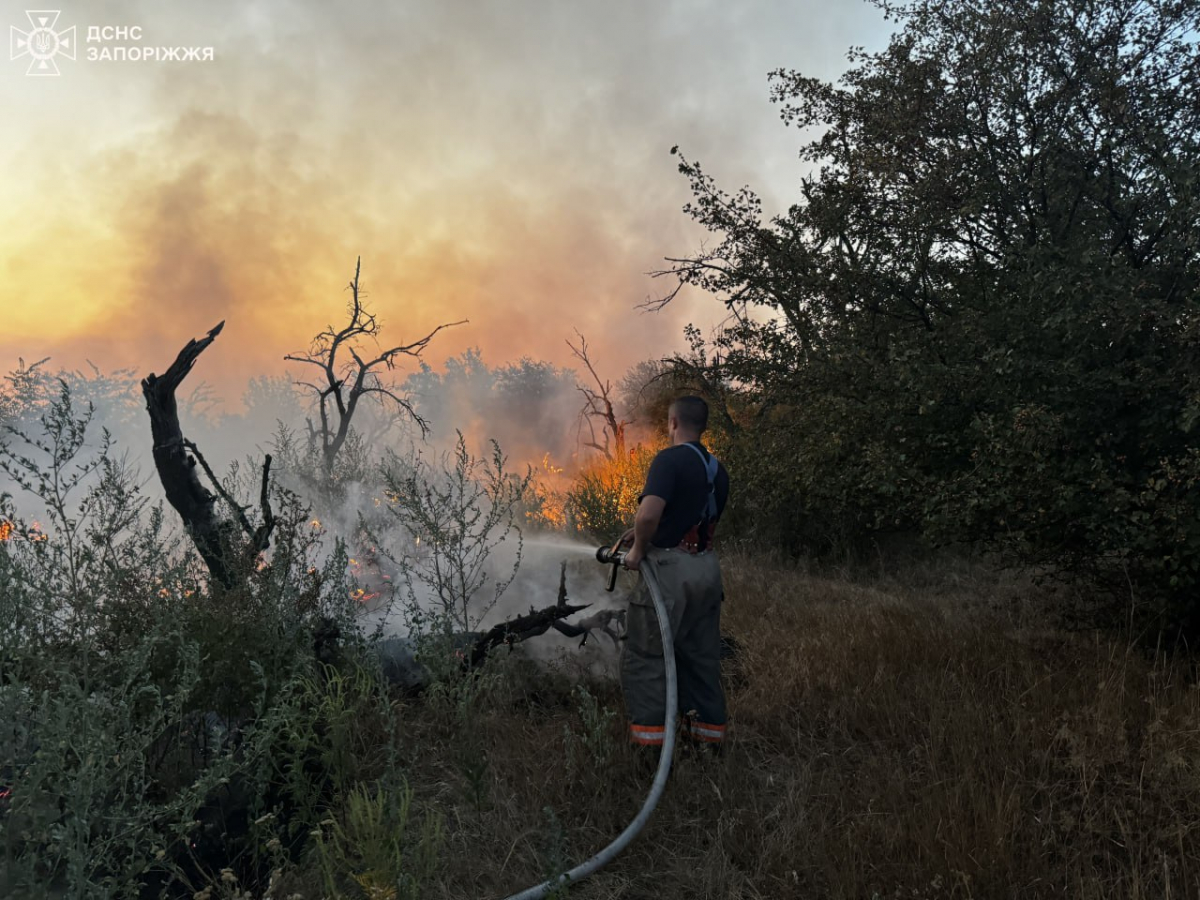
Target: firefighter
[685, 493]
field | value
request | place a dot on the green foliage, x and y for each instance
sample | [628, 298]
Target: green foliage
[317, 739]
[526, 405]
[591, 747]
[980, 315]
[23, 391]
[155, 733]
[87, 699]
[374, 849]
[272, 399]
[556, 859]
[646, 391]
[454, 515]
[455, 518]
[329, 484]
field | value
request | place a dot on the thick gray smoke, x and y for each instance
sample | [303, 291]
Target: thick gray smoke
[530, 408]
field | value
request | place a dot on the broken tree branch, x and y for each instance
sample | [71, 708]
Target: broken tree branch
[534, 623]
[213, 536]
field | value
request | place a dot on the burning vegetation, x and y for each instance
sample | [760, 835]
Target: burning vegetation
[424, 540]
[32, 533]
[302, 678]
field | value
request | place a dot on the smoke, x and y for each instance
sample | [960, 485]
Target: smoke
[506, 163]
[535, 587]
[530, 408]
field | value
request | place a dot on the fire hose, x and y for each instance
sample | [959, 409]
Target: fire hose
[616, 557]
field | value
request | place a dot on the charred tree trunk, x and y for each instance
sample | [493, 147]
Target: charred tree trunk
[217, 539]
[598, 406]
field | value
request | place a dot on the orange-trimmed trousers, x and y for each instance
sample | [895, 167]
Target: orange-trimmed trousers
[691, 589]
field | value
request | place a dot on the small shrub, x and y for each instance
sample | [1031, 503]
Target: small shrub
[374, 848]
[455, 516]
[591, 748]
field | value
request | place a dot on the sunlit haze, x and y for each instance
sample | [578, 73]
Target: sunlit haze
[507, 163]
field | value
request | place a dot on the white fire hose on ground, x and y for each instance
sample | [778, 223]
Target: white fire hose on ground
[605, 856]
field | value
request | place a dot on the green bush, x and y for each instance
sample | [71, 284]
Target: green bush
[159, 736]
[453, 517]
[374, 849]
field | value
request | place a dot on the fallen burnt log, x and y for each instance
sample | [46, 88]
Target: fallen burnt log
[535, 622]
[402, 668]
[399, 654]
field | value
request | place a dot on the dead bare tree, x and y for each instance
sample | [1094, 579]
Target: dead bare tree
[225, 552]
[341, 383]
[598, 407]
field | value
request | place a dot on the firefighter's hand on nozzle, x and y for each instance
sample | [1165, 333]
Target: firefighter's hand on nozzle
[633, 557]
[626, 540]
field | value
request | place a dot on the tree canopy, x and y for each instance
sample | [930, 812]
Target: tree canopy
[978, 321]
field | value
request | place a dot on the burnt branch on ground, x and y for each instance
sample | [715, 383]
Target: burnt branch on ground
[536, 622]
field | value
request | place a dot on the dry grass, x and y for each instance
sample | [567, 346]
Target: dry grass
[915, 737]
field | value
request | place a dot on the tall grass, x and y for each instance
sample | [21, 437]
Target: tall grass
[923, 736]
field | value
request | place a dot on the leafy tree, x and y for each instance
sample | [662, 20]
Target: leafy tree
[532, 396]
[526, 406]
[23, 389]
[646, 390]
[30, 390]
[272, 399]
[979, 319]
[464, 388]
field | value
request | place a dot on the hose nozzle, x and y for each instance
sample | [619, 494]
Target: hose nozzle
[606, 555]
[613, 556]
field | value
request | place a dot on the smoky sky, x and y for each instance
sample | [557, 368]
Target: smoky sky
[502, 162]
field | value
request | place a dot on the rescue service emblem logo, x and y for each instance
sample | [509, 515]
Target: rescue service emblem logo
[42, 43]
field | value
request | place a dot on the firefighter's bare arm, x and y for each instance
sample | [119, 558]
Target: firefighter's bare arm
[649, 513]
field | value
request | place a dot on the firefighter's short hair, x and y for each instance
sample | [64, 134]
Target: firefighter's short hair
[692, 412]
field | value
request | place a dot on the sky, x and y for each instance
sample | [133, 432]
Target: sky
[502, 162]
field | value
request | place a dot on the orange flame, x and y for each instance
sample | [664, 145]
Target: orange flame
[6, 529]
[364, 596]
[547, 506]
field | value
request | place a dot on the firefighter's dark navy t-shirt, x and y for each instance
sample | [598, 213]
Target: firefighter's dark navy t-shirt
[679, 477]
